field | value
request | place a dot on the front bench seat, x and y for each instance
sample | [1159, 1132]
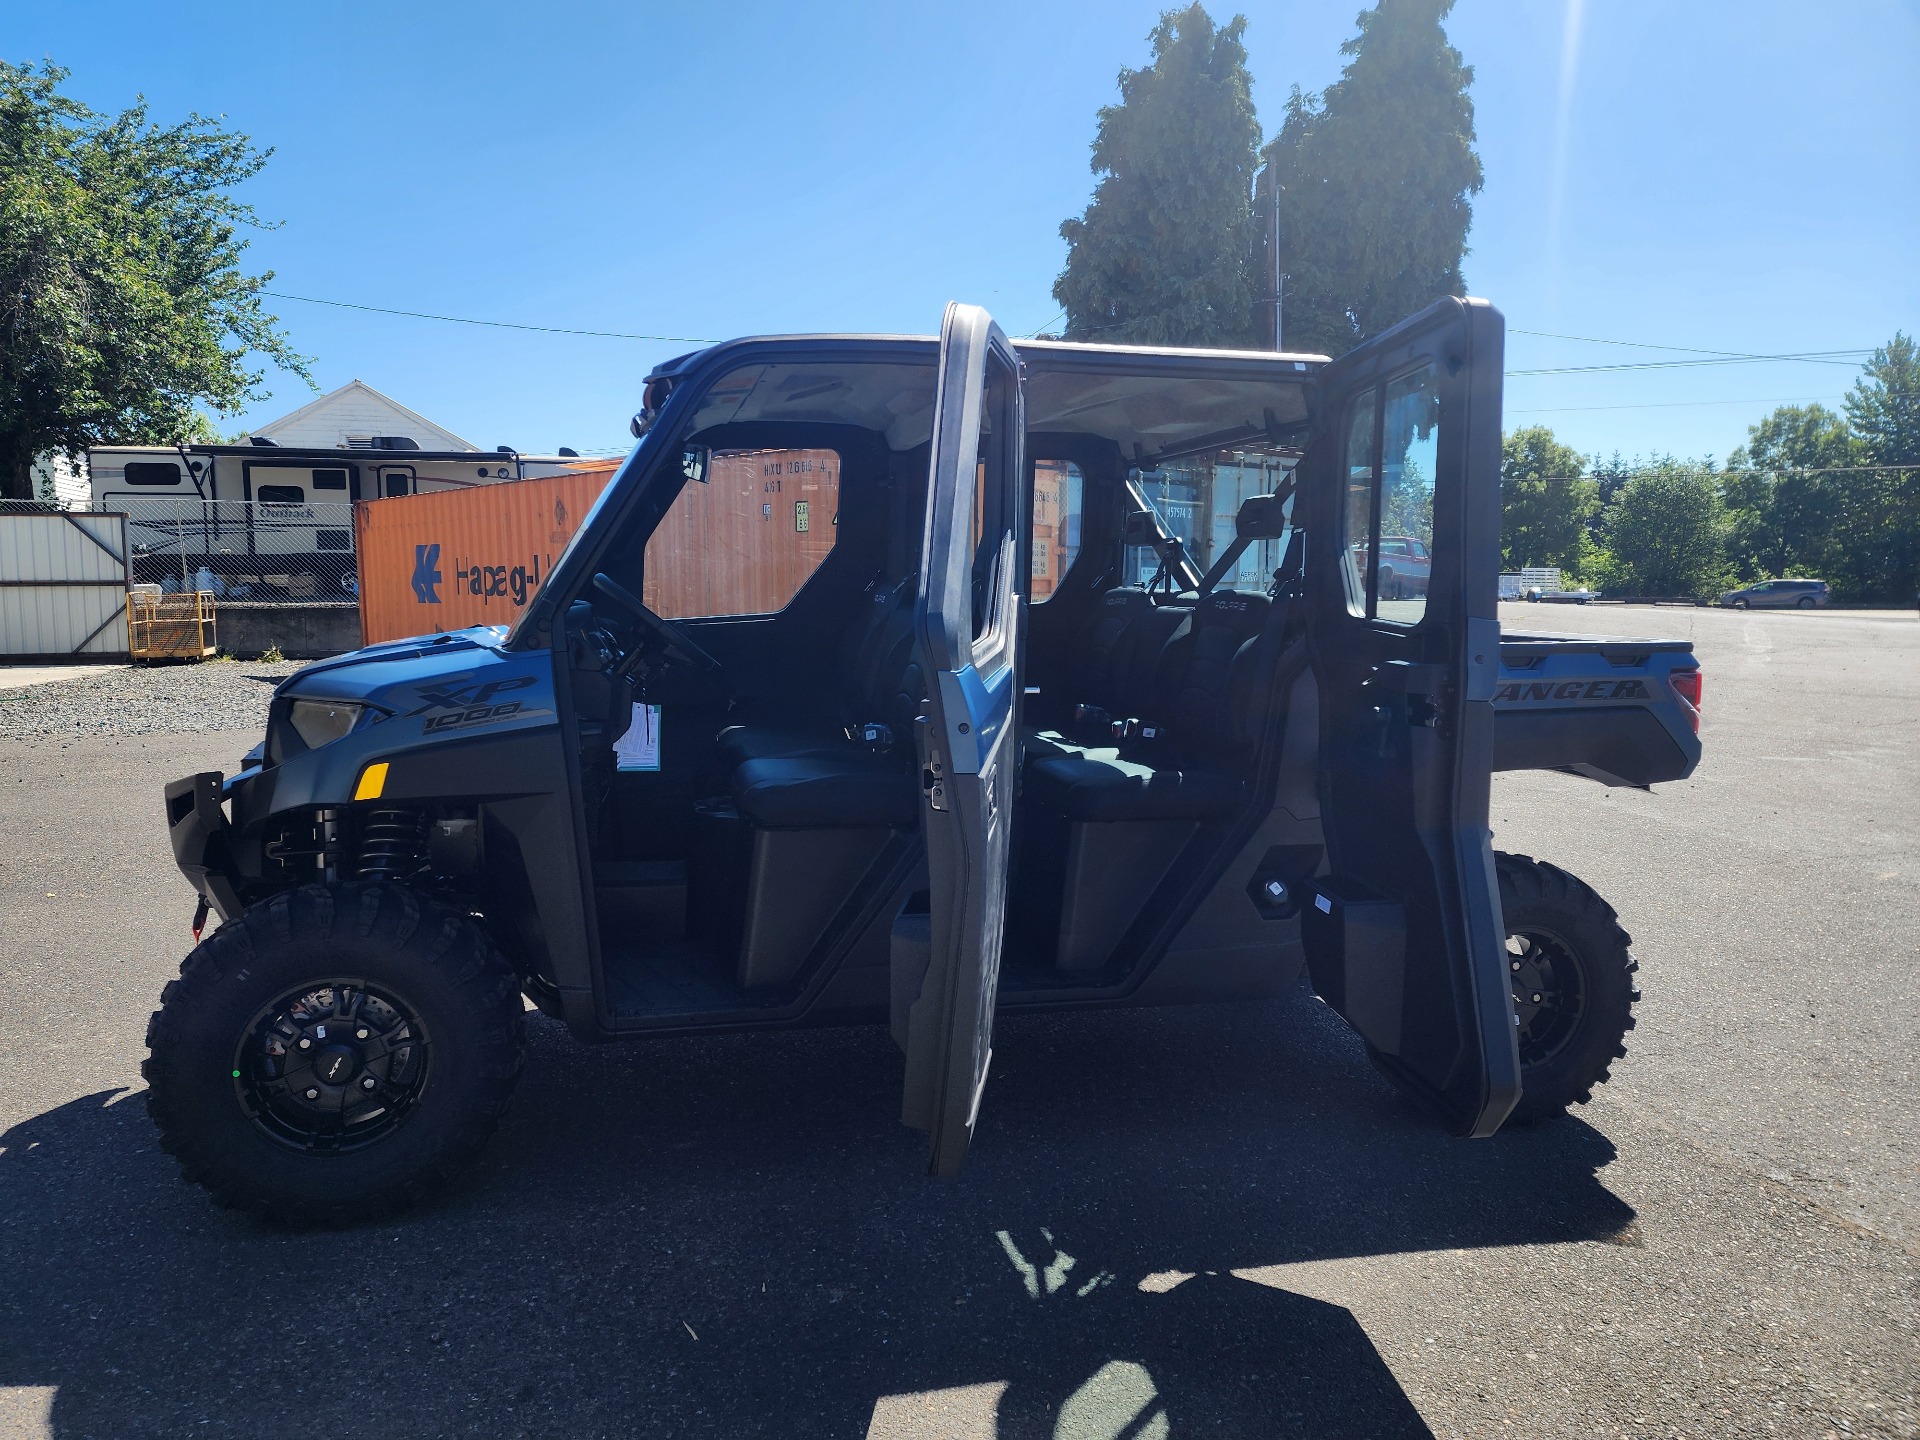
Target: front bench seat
[839, 792]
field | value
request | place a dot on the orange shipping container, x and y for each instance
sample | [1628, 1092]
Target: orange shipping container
[475, 556]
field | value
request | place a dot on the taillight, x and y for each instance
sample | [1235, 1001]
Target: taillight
[1686, 684]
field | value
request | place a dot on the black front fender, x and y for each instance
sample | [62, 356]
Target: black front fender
[202, 840]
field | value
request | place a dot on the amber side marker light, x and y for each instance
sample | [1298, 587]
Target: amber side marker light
[1686, 684]
[373, 780]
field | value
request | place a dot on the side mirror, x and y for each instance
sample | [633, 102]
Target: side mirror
[693, 462]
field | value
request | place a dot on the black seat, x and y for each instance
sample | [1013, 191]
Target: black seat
[825, 793]
[874, 660]
[1101, 786]
[1202, 682]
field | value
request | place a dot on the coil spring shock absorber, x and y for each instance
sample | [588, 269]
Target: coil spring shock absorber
[393, 844]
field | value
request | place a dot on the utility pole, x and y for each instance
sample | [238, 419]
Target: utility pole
[1273, 246]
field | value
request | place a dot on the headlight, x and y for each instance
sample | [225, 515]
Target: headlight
[321, 722]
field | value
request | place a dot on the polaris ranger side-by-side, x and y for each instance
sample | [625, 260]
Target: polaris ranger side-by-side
[1069, 682]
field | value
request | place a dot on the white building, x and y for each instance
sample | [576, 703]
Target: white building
[358, 417]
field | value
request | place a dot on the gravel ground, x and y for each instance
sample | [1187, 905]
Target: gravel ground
[1242, 1231]
[146, 700]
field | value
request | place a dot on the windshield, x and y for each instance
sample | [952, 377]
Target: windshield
[1197, 499]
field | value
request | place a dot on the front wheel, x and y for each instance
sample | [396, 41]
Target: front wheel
[335, 1054]
[1572, 976]
[1805, 602]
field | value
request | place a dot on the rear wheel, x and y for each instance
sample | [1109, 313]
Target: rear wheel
[335, 1054]
[1572, 976]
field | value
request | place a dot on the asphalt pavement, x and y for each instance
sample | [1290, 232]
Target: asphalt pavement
[1197, 1221]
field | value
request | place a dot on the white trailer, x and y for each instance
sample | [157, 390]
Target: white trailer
[269, 517]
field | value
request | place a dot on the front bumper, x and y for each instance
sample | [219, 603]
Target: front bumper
[203, 838]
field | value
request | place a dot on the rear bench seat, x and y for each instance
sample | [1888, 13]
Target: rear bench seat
[1181, 686]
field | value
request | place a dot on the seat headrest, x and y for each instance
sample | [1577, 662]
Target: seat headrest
[1261, 517]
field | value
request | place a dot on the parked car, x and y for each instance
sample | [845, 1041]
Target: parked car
[1404, 566]
[1798, 594]
[763, 810]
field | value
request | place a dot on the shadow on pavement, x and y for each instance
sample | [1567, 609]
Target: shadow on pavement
[732, 1236]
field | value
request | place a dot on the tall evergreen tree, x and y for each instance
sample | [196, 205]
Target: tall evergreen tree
[1883, 503]
[1160, 256]
[1375, 178]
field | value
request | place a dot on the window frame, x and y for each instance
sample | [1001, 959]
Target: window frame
[1376, 393]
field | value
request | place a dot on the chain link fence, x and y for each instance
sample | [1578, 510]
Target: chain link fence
[258, 551]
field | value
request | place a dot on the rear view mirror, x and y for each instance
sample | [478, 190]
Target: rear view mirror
[693, 463]
[1140, 529]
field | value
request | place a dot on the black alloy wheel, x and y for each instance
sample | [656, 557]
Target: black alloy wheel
[1571, 970]
[335, 1054]
[1549, 993]
[332, 1066]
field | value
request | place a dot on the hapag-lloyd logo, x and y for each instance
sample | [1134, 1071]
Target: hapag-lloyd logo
[488, 582]
[426, 574]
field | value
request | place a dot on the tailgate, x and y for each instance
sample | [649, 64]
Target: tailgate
[1601, 706]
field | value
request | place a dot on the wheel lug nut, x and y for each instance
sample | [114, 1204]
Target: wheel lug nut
[1516, 964]
[368, 1083]
[305, 1043]
[1536, 997]
[361, 1034]
[313, 1094]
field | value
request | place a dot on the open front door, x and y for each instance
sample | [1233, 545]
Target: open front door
[1404, 937]
[947, 964]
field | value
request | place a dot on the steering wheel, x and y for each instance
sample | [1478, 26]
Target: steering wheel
[667, 637]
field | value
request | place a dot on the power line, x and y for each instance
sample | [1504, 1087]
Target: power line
[1636, 344]
[492, 324]
[1821, 357]
[1708, 470]
[1682, 404]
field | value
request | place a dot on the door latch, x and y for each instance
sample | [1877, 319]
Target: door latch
[933, 780]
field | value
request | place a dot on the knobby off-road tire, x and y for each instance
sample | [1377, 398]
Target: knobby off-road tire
[404, 1002]
[1564, 946]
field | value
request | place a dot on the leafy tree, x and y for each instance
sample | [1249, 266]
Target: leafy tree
[1546, 501]
[1160, 255]
[1883, 504]
[1665, 533]
[1785, 491]
[1375, 177]
[1884, 405]
[123, 307]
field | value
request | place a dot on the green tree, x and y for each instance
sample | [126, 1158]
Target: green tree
[1784, 492]
[1883, 503]
[1665, 533]
[123, 307]
[1375, 179]
[1160, 256]
[1546, 501]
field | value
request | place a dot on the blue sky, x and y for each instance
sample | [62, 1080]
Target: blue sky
[1732, 175]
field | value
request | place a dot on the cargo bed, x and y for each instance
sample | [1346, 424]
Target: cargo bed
[1620, 710]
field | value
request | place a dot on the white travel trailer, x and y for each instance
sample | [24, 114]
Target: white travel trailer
[274, 513]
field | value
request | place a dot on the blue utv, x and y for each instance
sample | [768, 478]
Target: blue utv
[905, 680]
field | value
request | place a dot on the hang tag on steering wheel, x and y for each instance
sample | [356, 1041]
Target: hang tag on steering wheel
[639, 748]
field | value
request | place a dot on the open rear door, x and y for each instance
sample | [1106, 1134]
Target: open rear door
[1404, 936]
[947, 963]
